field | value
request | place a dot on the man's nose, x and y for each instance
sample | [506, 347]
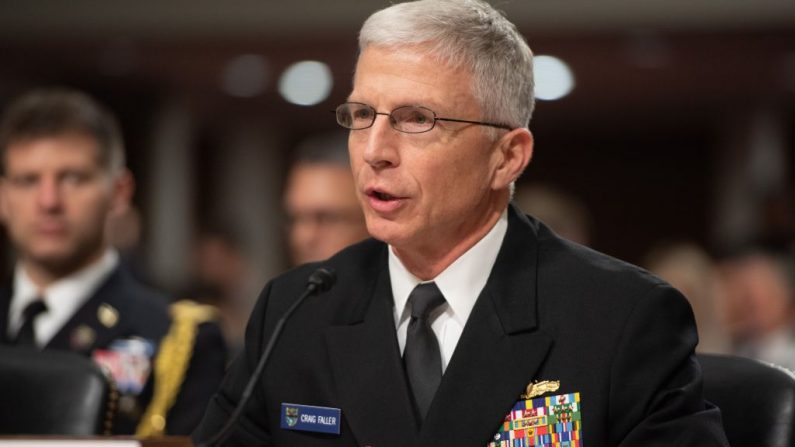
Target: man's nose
[49, 195]
[381, 145]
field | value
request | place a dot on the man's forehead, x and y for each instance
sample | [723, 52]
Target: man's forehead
[72, 147]
[312, 174]
[68, 139]
[319, 178]
[405, 56]
[425, 79]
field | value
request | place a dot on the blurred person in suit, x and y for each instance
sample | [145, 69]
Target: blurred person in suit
[323, 212]
[463, 321]
[693, 272]
[564, 213]
[63, 177]
[224, 278]
[759, 293]
[124, 232]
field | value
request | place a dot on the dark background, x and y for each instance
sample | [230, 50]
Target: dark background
[680, 126]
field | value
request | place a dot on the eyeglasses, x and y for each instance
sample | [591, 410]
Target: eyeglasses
[408, 119]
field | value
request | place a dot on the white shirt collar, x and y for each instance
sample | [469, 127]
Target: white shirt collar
[460, 283]
[63, 297]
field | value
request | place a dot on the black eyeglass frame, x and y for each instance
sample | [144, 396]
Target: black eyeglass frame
[392, 121]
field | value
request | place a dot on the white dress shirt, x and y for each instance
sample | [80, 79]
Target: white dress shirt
[460, 283]
[63, 297]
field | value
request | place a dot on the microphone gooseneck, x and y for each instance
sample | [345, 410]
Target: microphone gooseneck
[319, 281]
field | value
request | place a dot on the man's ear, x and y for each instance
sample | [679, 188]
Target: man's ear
[514, 152]
[123, 190]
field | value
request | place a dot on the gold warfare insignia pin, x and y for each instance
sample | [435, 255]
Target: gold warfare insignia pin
[107, 315]
[535, 389]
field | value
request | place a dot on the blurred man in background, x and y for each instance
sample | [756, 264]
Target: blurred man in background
[223, 277]
[564, 213]
[759, 294]
[320, 201]
[63, 176]
[690, 269]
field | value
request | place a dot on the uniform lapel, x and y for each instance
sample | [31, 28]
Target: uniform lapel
[85, 331]
[368, 371]
[499, 352]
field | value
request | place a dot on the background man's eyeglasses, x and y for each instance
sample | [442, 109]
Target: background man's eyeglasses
[408, 119]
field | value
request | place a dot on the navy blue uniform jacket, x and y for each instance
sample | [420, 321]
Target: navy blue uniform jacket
[142, 313]
[551, 310]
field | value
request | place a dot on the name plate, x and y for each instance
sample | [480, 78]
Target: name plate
[311, 418]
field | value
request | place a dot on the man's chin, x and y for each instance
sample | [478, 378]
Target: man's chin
[390, 233]
[58, 263]
[381, 230]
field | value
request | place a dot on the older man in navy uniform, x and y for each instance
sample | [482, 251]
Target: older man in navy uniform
[463, 322]
[63, 175]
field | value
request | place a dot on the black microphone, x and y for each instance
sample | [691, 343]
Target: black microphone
[319, 281]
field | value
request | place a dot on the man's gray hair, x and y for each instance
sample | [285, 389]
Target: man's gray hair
[467, 34]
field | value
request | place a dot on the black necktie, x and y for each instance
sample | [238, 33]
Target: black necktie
[27, 335]
[421, 355]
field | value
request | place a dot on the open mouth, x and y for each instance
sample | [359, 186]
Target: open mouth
[380, 195]
[384, 202]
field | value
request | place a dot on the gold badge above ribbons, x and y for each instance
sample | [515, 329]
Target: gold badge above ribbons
[535, 389]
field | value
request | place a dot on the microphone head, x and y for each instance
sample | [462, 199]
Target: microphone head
[322, 278]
